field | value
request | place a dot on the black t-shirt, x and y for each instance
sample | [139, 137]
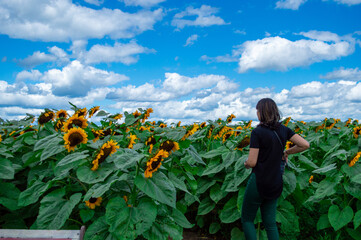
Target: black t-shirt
[267, 170]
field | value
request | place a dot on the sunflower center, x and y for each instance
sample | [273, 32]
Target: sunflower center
[75, 138]
[92, 200]
[156, 163]
[167, 146]
[62, 115]
[107, 152]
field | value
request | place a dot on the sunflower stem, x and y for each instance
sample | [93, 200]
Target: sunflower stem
[134, 194]
[76, 221]
[84, 187]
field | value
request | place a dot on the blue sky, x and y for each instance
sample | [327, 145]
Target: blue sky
[188, 60]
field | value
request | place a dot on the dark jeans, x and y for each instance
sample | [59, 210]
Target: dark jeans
[251, 202]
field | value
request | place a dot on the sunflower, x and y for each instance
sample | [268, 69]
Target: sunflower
[0, 138]
[289, 144]
[92, 202]
[191, 131]
[355, 159]
[169, 146]
[243, 143]
[61, 114]
[227, 135]
[59, 124]
[46, 117]
[348, 122]
[142, 128]
[356, 131]
[150, 142]
[222, 131]
[93, 110]
[75, 120]
[286, 121]
[320, 127]
[230, 118]
[203, 125]
[311, 179]
[147, 114]
[81, 112]
[106, 150]
[155, 162]
[132, 140]
[238, 130]
[162, 125]
[210, 131]
[331, 125]
[74, 137]
[179, 123]
[118, 116]
[28, 129]
[136, 114]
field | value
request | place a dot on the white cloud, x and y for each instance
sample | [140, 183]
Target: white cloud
[33, 75]
[95, 2]
[225, 58]
[348, 2]
[57, 55]
[276, 53]
[124, 53]
[351, 74]
[290, 4]
[61, 20]
[77, 79]
[204, 17]
[142, 3]
[173, 87]
[191, 40]
[241, 32]
[323, 36]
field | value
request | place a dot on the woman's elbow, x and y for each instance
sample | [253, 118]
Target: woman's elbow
[306, 146]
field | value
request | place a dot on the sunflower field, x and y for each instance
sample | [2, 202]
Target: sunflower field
[129, 178]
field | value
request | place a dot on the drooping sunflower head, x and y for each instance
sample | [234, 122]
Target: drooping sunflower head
[203, 125]
[74, 137]
[118, 116]
[286, 121]
[230, 118]
[210, 131]
[310, 180]
[0, 138]
[75, 121]
[106, 150]
[179, 123]
[169, 146]
[162, 125]
[81, 112]
[136, 114]
[93, 202]
[46, 117]
[356, 131]
[97, 134]
[132, 138]
[61, 114]
[150, 141]
[227, 135]
[243, 143]
[59, 124]
[155, 162]
[289, 144]
[93, 110]
[238, 130]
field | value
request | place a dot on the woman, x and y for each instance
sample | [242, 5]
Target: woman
[265, 155]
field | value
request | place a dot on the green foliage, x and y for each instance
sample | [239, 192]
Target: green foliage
[199, 184]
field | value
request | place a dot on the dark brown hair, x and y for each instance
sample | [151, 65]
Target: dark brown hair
[268, 113]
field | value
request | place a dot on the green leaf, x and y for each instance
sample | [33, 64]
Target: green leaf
[180, 219]
[214, 227]
[215, 152]
[204, 184]
[353, 189]
[98, 230]
[98, 189]
[54, 210]
[158, 187]
[86, 215]
[117, 212]
[147, 213]
[71, 161]
[178, 182]
[357, 219]
[230, 212]
[355, 234]
[307, 162]
[125, 158]
[339, 219]
[325, 188]
[325, 169]
[230, 157]
[235, 178]
[289, 183]
[286, 215]
[196, 157]
[206, 206]
[86, 175]
[32, 194]
[236, 234]
[216, 193]
[240, 197]
[356, 179]
[52, 148]
[175, 232]
[214, 166]
[323, 222]
[44, 142]
[7, 170]
[9, 195]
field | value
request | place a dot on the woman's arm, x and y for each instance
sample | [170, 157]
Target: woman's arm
[300, 145]
[252, 158]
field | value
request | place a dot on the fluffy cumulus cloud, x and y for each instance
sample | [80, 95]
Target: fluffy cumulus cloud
[191, 40]
[61, 20]
[77, 79]
[281, 54]
[55, 54]
[351, 74]
[95, 2]
[124, 53]
[348, 2]
[142, 3]
[204, 17]
[33, 75]
[290, 4]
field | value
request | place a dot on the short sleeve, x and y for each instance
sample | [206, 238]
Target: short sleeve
[254, 140]
[290, 133]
